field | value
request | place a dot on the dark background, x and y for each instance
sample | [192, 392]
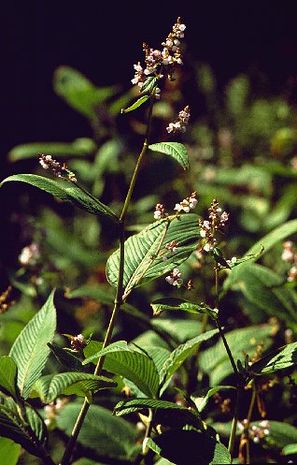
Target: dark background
[103, 40]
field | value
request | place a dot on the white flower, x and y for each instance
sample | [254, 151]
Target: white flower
[174, 279]
[208, 247]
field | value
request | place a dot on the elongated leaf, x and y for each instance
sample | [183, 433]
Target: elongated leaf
[189, 448]
[66, 359]
[175, 150]
[263, 245]
[30, 350]
[64, 190]
[146, 256]
[110, 435]
[122, 360]
[37, 425]
[49, 387]
[12, 426]
[215, 362]
[8, 376]
[180, 354]
[79, 92]
[172, 414]
[140, 101]
[290, 449]
[182, 305]
[79, 147]
[281, 359]
[10, 450]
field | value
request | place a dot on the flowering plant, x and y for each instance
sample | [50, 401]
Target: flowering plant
[163, 380]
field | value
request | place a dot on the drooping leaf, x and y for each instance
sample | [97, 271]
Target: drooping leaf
[8, 376]
[180, 354]
[49, 387]
[146, 256]
[79, 92]
[13, 426]
[30, 350]
[190, 447]
[281, 359]
[123, 360]
[64, 190]
[109, 435]
[79, 147]
[169, 413]
[182, 305]
[175, 150]
[66, 358]
[10, 450]
[140, 101]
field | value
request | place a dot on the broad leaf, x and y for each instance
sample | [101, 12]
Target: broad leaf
[283, 358]
[180, 354]
[49, 387]
[190, 447]
[109, 435]
[79, 92]
[133, 365]
[171, 414]
[10, 450]
[173, 149]
[79, 147]
[182, 305]
[30, 350]
[140, 101]
[146, 256]
[8, 376]
[66, 358]
[290, 449]
[64, 190]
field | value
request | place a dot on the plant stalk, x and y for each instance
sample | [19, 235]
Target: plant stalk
[119, 294]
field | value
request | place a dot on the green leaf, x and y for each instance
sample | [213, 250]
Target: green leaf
[266, 243]
[140, 101]
[202, 401]
[290, 449]
[8, 376]
[10, 450]
[64, 190]
[14, 427]
[175, 304]
[37, 425]
[146, 256]
[79, 92]
[49, 387]
[66, 358]
[215, 362]
[282, 358]
[175, 150]
[133, 365]
[77, 148]
[171, 414]
[109, 435]
[180, 354]
[30, 350]
[190, 447]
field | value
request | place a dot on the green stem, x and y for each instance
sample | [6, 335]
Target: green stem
[118, 299]
[234, 422]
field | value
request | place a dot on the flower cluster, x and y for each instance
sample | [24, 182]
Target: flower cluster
[180, 125]
[51, 410]
[160, 62]
[29, 255]
[187, 204]
[256, 432]
[159, 212]
[77, 342]
[289, 255]
[217, 219]
[5, 300]
[60, 170]
[172, 246]
[174, 278]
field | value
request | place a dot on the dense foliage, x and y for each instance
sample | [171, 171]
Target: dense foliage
[182, 323]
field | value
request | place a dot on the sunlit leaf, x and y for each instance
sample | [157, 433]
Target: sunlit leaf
[175, 150]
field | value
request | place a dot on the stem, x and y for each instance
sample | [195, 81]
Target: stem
[118, 299]
[245, 434]
[228, 350]
[234, 422]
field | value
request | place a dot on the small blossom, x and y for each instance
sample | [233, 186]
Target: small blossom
[51, 410]
[180, 125]
[60, 170]
[172, 246]
[5, 300]
[187, 204]
[289, 252]
[29, 255]
[292, 274]
[159, 212]
[174, 279]
[232, 261]
[77, 342]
